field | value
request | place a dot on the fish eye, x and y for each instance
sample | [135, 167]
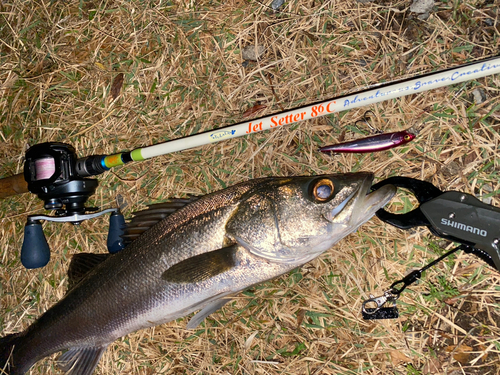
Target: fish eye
[407, 137]
[323, 190]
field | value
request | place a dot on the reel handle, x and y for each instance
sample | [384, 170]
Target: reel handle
[116, 225]
[35, 252]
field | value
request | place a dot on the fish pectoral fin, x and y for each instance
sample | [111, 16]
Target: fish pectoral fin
[81, 264]
[80, 361]
[206, 311]
[202, 267]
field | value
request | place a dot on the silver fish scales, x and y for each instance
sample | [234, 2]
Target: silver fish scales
[196, 258]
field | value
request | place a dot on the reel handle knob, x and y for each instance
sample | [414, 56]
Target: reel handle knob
[35, 252]
[116, 225]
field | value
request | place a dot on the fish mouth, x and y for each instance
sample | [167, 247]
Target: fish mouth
[361, 204]
[354, 211]
[368, 202]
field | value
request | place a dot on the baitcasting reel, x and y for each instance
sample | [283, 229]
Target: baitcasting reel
[54, 173]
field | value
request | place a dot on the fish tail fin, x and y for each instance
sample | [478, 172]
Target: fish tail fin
[8, 346]
[16, 359]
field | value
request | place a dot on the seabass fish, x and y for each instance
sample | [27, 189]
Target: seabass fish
[194, 259]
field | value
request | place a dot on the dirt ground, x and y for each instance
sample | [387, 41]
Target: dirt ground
[110, 76]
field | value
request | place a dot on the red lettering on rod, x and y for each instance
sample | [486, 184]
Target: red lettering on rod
[328, 107]
[288, 119]
[254, 128]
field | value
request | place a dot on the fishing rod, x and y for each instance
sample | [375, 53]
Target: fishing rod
[54, 172]
[374, 94]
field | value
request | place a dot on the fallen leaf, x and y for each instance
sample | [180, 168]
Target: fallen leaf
[398, 358]
[116, 85]
[100, 66]
[312, 37]
[432, 366]
[444, 15]
[342, 136]
[470, 157]
[452, 300]
[458, 55]
[460, 352]
[300, 317]
[462, 357]
[253, 110]
[444, 334]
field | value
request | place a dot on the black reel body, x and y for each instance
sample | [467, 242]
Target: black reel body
[55, 174]
[51, 173]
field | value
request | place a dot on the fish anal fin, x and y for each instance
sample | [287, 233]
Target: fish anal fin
[206, 311]
[80, 361]
[81, 264]
[202, 267]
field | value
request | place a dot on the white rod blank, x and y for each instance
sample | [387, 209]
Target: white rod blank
[379, 93]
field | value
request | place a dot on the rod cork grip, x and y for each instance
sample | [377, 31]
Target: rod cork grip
[13, 185]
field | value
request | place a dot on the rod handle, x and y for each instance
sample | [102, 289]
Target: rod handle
[13, 185]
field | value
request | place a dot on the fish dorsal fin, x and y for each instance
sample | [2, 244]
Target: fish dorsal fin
[202, 267]
[81, 264]
[145, 219]
[206, 311]
[80, 361]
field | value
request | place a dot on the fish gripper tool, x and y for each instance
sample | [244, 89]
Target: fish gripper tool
[452, 215]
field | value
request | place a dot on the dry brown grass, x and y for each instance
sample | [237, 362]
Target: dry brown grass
[183, 73]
